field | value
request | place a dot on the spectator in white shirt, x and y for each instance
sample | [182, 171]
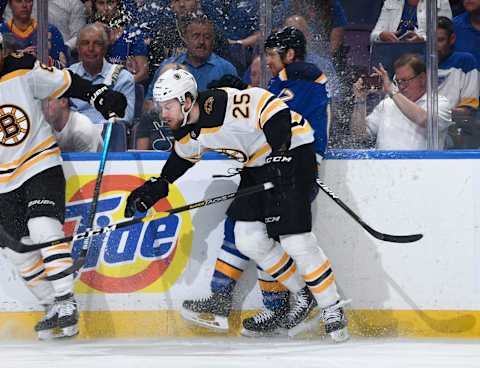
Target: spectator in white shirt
[399, 121]
[405, 20]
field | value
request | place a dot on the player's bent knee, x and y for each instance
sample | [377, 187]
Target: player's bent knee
[252, 239]
[43, 229]
[300, 244]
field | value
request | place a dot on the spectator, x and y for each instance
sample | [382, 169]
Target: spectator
[161, 25]
[458, 77]
[74, 131]
[199, 58]
[405, 20]
[68, 16]
[467, 29]
[127, 46]
[399, 122]
[92, 47]
[24, 28]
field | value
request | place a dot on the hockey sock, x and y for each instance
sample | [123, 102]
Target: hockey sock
[230, 262]
[31, 269]
[56, 258]
[275, 296]
[313, 265]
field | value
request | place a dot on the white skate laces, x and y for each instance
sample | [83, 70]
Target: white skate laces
[335, 321]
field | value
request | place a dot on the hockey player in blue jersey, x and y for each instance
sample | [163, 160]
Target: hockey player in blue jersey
[303, 87]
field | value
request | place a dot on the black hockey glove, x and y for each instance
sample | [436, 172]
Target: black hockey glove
[228, 80]
[146, 195]
[280, 171]
[108, 101]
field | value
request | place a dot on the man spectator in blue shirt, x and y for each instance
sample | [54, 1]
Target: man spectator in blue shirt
[92, 46]
[199, 59]
[467, 29]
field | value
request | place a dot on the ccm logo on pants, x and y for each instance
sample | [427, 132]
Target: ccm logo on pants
[269, 220]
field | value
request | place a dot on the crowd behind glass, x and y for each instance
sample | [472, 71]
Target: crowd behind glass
[372, 52]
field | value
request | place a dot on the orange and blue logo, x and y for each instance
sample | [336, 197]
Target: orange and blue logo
[146, 257]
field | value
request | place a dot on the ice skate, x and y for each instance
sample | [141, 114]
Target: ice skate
[60, 320]
[265, 323]
[335, 321]
[211, 312]
[301, 311]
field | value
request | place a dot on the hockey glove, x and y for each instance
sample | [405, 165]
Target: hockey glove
[228, 80]
[146, 195]
[107, 101]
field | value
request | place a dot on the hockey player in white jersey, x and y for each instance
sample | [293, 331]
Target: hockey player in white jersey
[274, 144]
[32, 182]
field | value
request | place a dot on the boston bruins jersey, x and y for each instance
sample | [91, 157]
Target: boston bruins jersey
[27, 145]
[232, 122]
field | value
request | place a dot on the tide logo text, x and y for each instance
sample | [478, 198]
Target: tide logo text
[151, 241]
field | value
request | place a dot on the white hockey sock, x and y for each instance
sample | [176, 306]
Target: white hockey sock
[56, 258]
[313, 265]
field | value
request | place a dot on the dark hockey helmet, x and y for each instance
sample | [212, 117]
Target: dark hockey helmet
[287, 38]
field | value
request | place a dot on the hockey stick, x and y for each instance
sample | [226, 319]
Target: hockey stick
[19, 247]
[385, 237]
[98, 183]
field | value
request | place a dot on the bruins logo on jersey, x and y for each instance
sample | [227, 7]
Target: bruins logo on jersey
[14, 125]
[232, 153]
[208, 106]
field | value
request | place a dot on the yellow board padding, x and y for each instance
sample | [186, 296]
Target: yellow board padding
[169, 323]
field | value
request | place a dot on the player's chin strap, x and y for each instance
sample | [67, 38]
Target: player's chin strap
[186, 112]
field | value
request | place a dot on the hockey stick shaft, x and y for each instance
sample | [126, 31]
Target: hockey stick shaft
[98, 181]
[382, 236]
[17, 246]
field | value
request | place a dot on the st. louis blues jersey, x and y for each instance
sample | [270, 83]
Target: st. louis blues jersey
[302, 86]
[27, 144]
[232, 123]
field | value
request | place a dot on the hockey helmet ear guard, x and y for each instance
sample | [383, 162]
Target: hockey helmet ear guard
[175, 84]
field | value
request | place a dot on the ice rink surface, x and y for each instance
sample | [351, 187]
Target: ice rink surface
[242, 352]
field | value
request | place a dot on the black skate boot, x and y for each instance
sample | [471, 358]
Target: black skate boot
[303, 313]
[211, 312]
[335, 321]
[60, 320]
[266, 323]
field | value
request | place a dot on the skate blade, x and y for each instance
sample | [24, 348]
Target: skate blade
[340, 335]
[275, 333]
[206, 320]
[308, 324]
[58, 333]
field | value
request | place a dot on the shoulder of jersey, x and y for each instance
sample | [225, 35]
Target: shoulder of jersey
[17, 61]
[213, 106]
[303, 71]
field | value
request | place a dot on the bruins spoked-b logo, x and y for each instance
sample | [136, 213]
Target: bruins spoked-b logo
[14, 125]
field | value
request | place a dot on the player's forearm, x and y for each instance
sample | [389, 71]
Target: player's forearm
[410, 109]
[80, 88]
[175, 167]
[278, 130]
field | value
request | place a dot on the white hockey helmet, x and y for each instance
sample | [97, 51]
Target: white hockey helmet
[175, 83]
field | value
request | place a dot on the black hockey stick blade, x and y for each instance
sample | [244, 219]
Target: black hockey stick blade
[376, 234]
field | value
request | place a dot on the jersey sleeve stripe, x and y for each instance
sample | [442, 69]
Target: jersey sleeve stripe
[271, 110]
[67, 81]
[322, 79]
[8, 177]
[469, 102]
[261, 105]
[14, 74]
[210, 130]
[194, 158]
[283, 75]
[299, 129]
[48, 142]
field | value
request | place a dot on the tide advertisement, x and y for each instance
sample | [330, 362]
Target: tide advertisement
[146, 257]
